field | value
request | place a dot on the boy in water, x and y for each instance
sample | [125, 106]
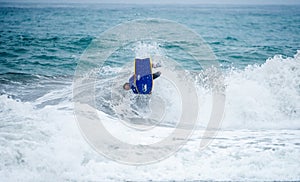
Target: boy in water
[128, 86]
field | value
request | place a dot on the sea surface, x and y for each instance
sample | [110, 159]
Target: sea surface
[256, 46]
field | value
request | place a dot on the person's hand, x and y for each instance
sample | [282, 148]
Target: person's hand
[157, 65]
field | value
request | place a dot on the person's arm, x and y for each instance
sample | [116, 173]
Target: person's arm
[156, 75]
[133, 85]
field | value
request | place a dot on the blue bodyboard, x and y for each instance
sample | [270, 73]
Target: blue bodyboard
[143, 75]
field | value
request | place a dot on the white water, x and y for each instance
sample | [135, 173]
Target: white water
[266, 96]
[259, 140]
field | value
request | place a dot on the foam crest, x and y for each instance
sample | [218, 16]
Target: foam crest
[264, 96]
[146, 49]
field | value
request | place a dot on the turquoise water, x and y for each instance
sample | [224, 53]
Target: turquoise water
[257, 47]
[48, 39]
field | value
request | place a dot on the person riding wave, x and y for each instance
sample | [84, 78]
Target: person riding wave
[131, 84]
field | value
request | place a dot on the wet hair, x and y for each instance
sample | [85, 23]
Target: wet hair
[125, 85]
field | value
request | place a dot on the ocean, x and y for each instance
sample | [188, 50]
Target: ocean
[256, 47]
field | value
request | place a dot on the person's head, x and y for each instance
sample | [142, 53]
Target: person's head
[126, 86]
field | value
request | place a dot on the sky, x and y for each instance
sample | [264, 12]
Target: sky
[165, 1]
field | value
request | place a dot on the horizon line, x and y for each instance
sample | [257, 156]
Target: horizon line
[148, 3]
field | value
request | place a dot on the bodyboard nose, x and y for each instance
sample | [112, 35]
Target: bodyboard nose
[144, 78]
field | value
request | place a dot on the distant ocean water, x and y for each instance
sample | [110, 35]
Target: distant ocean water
[256, 46]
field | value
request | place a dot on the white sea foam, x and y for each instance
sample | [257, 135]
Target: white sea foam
[45, 143]
[265, 96]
